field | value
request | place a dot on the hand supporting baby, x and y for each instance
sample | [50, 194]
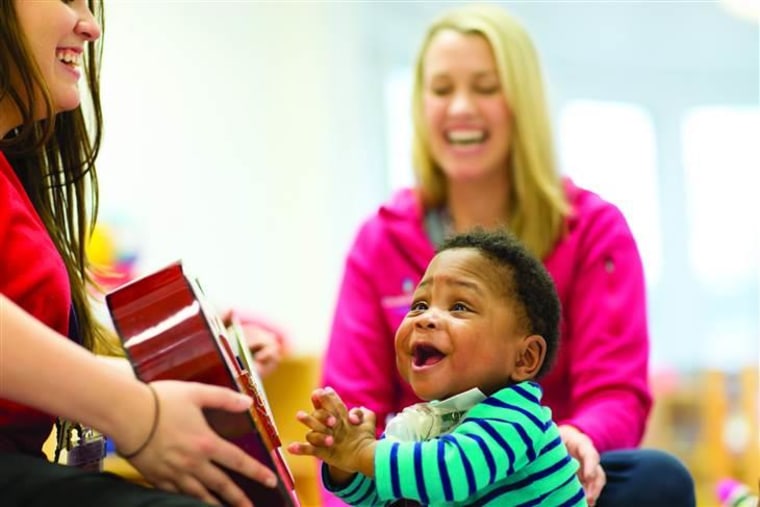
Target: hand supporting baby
[343, 439]
[590, 473]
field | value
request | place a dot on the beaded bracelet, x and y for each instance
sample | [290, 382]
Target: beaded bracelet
[153, 428]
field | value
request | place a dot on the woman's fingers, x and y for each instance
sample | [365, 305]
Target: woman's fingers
[595, 485]
[233, 457]
[590, 473]
[265, 347]
[589, 459]
[191, 486]
[223, 452]
[166, 486]
[186, 455]
[222, 398]
[211, 479]
[581, 448]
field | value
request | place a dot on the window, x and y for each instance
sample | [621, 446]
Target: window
[721, 162]
[722, 166]
[398, 121]
[609, 148]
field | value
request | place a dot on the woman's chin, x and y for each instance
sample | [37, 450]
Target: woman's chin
[67, 101]
[463, 174]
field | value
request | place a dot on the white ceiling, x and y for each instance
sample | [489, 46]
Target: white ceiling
[654, 34]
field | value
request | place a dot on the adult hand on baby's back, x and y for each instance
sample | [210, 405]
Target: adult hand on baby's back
[590, 472]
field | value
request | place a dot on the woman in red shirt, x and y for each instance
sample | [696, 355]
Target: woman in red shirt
[48, 201]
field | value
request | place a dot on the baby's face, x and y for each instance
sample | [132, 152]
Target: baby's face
[461, 331]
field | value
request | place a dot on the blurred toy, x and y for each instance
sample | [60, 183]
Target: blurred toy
[732, 493]
[113, 253]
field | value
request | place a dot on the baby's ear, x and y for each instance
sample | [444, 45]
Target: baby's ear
[530, 356]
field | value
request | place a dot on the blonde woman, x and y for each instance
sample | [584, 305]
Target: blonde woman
[483, 156]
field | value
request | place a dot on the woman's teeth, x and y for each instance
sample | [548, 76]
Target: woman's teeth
[466, 136]
[68, 57]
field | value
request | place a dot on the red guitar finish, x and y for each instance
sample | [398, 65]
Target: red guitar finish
[168, 332]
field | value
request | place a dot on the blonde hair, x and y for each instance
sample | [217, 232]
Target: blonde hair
[538, 202]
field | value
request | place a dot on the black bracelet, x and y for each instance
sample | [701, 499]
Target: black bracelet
[153, 428]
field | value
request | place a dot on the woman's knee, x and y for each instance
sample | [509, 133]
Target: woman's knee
[646, 477]
[667, 468]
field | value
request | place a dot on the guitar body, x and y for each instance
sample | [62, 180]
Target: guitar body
[169, 333]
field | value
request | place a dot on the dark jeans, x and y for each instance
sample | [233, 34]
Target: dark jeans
[639, 477]
[28, 481]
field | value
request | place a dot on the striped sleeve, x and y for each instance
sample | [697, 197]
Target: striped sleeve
[360, 491]
[497, 438]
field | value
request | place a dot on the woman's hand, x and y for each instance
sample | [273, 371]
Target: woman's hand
[266, 343]
[590, 473]
[181, 453]
[265, 347]
[185, 455]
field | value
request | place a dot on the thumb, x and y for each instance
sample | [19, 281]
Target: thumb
[355, 416]
[368, 416]
[223, 398]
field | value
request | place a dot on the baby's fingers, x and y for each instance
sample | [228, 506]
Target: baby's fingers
[319, 420]
[306, 449]
[318, 439]
[356, 416]
[302, 449]
[367, 416]
[330, 401]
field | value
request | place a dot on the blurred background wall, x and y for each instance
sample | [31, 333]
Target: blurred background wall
[251, 138]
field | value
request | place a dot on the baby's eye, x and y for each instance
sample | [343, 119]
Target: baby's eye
[459, 307]
[418, 306]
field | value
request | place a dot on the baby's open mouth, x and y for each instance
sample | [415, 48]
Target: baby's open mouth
[426, 355]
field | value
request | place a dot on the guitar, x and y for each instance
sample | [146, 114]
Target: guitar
[169, 331]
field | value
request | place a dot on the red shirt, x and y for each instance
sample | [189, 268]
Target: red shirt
[33, 275]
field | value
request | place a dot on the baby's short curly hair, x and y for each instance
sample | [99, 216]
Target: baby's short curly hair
[526, 282]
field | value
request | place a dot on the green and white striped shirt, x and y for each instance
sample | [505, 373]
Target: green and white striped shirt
[506, 451]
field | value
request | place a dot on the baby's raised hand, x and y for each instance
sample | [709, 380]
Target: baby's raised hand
[343, 441]
[319, 421]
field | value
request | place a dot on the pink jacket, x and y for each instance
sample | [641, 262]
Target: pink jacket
[599, 382]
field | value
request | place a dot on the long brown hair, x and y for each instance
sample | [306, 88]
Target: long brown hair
[55, 159]
[538, 203]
